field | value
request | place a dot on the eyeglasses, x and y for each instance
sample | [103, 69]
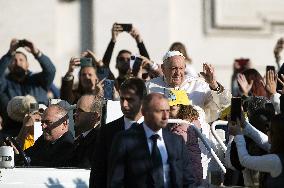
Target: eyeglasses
[52, 125]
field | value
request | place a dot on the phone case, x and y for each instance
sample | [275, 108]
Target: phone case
[108, 89]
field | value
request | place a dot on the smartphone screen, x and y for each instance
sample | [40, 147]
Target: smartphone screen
[86, 62]
[236, 108]
[108, 89]
[270, 67]
[126, 27]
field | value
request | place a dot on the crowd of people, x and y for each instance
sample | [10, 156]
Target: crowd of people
[141, 149]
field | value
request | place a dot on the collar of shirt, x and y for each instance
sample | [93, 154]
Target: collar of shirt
[149, 132]
[129, 122]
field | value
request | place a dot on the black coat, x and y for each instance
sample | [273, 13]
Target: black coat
[84, 148]
[98, 175]
[130, 160]
[48, 154]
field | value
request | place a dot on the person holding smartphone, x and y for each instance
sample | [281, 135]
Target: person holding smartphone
[20, 81]
[88, 81]
[271, 163]
[123, 57]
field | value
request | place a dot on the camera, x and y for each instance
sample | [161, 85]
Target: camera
[34, 107]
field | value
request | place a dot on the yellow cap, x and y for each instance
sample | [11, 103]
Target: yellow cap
[178, 97]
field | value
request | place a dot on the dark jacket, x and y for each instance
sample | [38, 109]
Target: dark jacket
[130, 160]
[84, 149]
[36, 84]
[98, 175]
[195, 154]
[48, 154]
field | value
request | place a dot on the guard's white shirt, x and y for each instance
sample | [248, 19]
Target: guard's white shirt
[129, 122]
[163, 150]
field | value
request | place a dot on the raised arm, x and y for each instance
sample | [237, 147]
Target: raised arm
[141, 47]
[266, 163]
[216, 97]
[115, 31]
[66, 90]
[46, 76]
[6, 60]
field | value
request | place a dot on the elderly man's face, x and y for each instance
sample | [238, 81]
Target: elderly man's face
[174, 70]
[52, 130]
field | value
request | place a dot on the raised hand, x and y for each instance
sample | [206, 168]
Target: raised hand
[74, 62]
[281, 81]
[245, 86]
[235, 128]
[270, 82]
[30, 47]
[99, 88]
[278, 48]
[135, 34]
[96, 60]
[14, 44]
[115, 31]
[209, 75]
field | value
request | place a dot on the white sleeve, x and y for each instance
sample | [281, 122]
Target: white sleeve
[258, 137]
[275, 99]
[270, 163]
[215, 102]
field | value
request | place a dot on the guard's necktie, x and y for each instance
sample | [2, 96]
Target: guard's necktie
[157, 162]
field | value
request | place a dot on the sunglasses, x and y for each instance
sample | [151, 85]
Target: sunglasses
[52, 125]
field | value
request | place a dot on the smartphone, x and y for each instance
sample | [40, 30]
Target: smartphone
[22, 43]
[34, 107]
[236, 108]
[135, 64]
[270, 67]
[108, 89]
[126, 27]
[86, 62]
